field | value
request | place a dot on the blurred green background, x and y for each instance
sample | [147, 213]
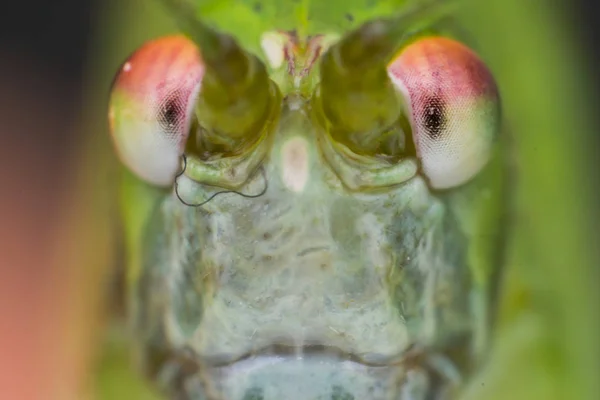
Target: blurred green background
[547, 343]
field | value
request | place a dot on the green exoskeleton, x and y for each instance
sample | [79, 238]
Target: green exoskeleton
[317, 220]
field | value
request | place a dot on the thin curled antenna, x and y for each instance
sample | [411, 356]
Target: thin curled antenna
[248, 196]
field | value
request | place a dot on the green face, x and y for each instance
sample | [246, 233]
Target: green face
[320, 225]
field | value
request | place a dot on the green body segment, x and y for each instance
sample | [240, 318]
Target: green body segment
[349, 278]
[366, 274]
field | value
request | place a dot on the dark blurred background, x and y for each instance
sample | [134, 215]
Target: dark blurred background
[44, 49]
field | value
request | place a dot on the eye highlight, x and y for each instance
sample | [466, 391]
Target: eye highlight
[151, 106]
[453, 104]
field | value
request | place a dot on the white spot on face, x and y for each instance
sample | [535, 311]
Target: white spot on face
[127, 67]
[294, 162]
[295, 103]
[272, 44]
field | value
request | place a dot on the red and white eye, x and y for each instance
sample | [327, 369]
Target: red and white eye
[152, 105]
[454, 108]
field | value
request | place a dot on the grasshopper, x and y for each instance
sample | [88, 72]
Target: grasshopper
[313, 211]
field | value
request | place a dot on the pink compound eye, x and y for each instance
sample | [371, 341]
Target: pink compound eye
[453, 104]
[151, 106]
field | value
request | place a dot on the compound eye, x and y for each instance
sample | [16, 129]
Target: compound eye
[454, 108]
[152, 106]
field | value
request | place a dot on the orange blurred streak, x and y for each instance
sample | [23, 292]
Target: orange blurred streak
[53, 244]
